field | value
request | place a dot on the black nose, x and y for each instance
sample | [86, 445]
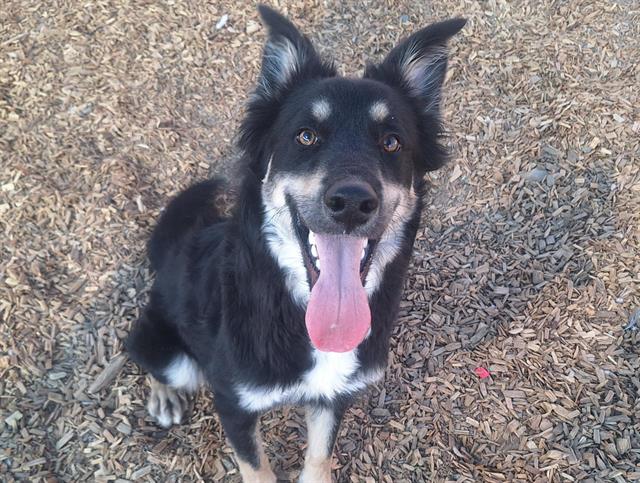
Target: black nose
[351, 202]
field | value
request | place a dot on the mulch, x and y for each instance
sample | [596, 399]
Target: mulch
[516, 354]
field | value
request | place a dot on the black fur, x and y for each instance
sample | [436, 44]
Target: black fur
[220, 297]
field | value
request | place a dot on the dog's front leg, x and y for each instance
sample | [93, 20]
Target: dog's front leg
[243, 433]
[323, 423]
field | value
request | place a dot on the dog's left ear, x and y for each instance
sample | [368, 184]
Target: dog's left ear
[418, 65]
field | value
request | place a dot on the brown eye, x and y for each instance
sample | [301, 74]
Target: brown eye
[307, 137]
[391, 143]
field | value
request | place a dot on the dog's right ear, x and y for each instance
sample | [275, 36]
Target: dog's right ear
[288, 56]
[289, 59]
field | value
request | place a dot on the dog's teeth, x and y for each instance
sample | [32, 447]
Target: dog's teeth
[317, 260]
[312, 238]
[364, 253]
[314, 251]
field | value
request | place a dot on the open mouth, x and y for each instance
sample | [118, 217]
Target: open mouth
[337, 317]
[309, 248]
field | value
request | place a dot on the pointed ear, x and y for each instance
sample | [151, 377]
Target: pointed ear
[418, 65]
[288, 55]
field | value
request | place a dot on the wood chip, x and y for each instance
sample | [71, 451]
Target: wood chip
[108, 374]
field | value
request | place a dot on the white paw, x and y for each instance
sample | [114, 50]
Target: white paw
[166, 404]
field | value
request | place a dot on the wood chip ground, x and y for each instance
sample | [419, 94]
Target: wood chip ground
[527, 266]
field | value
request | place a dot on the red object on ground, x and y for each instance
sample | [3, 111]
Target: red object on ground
[482, 373]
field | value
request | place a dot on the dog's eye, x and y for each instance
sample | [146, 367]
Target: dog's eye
[391, 143]
[307, 137]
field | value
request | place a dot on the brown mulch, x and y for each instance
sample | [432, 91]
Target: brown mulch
[528, 264]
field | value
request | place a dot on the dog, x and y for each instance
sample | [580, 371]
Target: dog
[291, 299]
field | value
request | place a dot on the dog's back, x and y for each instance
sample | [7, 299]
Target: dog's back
[188, 212]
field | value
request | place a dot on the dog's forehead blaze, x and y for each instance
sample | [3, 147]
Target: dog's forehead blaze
[379, 111]
[346, 98]
[321, 109]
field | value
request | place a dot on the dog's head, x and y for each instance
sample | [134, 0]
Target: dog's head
[340, 160]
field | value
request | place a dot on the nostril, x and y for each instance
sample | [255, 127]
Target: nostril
[336, 204]
[369, 206]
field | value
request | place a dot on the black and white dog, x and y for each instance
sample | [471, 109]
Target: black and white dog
[292, 299]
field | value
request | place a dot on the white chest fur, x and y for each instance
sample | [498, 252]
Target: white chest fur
[332, 374]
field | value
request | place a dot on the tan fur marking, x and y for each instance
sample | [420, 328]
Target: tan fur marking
[278, 225]
[306, 185]
[317, 465]
[321, 110]
[379, 111]
[263, 474]
[389, 244]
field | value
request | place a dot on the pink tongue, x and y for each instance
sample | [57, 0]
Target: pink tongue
[338, 315]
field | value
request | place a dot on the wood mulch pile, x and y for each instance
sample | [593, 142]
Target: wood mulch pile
[510, 361]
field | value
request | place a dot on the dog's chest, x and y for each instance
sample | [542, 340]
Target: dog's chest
[331, 375]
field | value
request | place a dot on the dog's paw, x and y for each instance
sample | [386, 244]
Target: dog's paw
[166, 404]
